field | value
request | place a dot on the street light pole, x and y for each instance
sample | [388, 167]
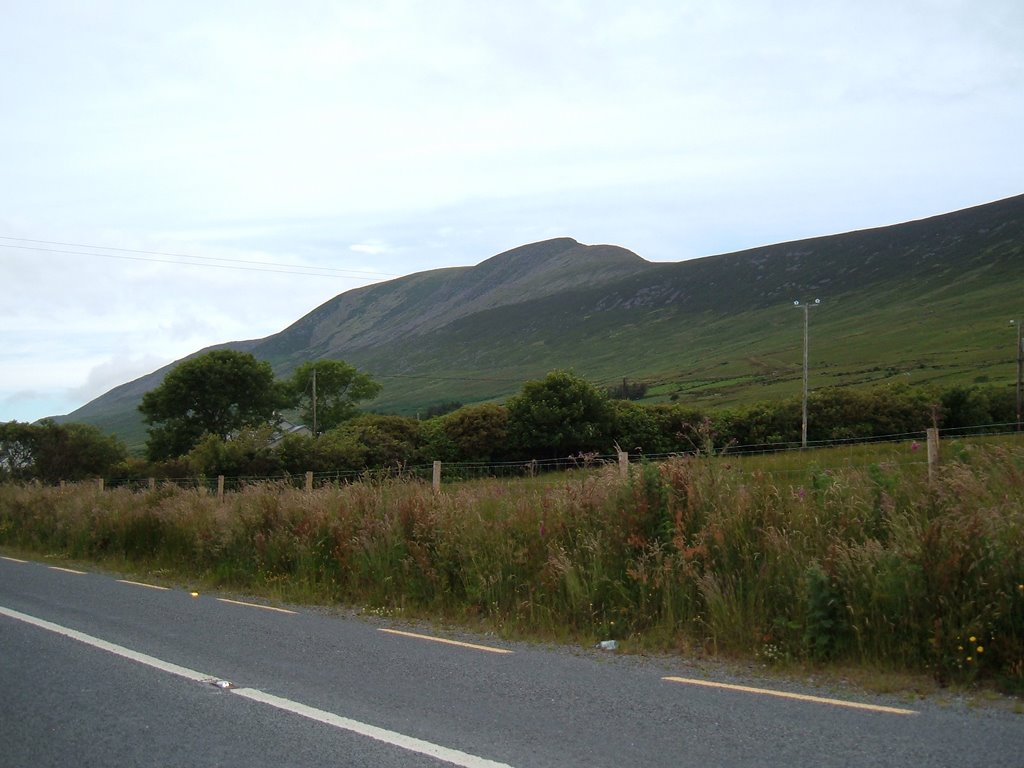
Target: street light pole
[1020, 370]
[807, 308]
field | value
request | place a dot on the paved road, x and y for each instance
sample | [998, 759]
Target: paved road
[97, 671]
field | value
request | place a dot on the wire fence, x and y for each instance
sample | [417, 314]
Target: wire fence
[901, 449]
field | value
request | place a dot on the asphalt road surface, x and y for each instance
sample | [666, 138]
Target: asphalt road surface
[99, 671]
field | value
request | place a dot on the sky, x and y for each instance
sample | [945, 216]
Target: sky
[176, 175]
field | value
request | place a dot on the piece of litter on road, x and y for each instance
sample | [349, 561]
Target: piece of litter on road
[608, 645]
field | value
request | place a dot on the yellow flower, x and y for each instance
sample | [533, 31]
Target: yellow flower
[973, 639]
[970, 659]
[981, 649]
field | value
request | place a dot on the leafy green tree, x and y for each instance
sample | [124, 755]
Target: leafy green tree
[478, 432]
[339, 387]
[51, 452]
[375, 440]
[968, 407]
[635, 428]
[75, 452]
[216, 393]
[435, 445]
[17, 450]
[559, 415]
[246, 453]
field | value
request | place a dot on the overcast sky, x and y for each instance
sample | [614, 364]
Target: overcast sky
[176, 175]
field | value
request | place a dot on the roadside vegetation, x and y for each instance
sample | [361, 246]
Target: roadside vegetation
[865, 563]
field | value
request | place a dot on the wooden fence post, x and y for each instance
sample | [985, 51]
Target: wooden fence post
[623, 465]
[437, 476]
[220, 487]
[152, 483]
[99, 484]
[933, 452]
[309, 482]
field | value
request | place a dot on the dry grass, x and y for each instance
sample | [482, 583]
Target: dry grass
[867, 566]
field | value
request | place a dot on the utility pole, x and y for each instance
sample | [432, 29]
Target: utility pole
[807, 307]
[1020, 371]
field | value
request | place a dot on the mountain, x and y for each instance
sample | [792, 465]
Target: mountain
[924, 301]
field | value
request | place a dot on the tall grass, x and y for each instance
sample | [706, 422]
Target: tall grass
[866, 564]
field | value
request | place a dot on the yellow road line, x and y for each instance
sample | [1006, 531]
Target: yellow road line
[66, 570]
[12, 559]
[255, 605]
[473, 646]
[141, 584]
[796, 696]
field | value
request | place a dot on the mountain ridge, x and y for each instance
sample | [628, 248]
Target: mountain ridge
[476, 333]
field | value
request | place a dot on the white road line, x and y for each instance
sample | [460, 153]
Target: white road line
[103, 645]
[255, 605]
[445, 641]
[793, 696]
[143, 584]
[12, 559]
[408, 743]
[67, 570]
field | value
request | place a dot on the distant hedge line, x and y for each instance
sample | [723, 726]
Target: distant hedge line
[513, 432]
[560, 416]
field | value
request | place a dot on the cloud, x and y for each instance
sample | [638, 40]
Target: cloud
[373, 248]
[113, 372]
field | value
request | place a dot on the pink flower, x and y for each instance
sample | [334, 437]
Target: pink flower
[915, 445]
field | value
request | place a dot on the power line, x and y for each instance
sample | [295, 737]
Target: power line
[201, 261]
[432, 377]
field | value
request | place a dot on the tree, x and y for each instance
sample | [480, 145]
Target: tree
[339, 386]
[247, 453]
[478, 432]
[51, 452]
[17, 449]
[216, 393]
[372, 441]
[559, 415]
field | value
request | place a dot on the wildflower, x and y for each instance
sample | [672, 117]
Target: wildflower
[970, 659]
[981, 649]
[914, 446]
[973, 639]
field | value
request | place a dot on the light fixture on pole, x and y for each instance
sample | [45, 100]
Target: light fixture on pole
[803, 426]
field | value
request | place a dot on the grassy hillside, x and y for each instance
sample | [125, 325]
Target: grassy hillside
[923, 302]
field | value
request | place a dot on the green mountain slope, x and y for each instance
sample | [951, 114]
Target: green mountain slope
[925, 301]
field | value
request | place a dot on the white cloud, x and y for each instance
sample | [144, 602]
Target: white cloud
[373, 248]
